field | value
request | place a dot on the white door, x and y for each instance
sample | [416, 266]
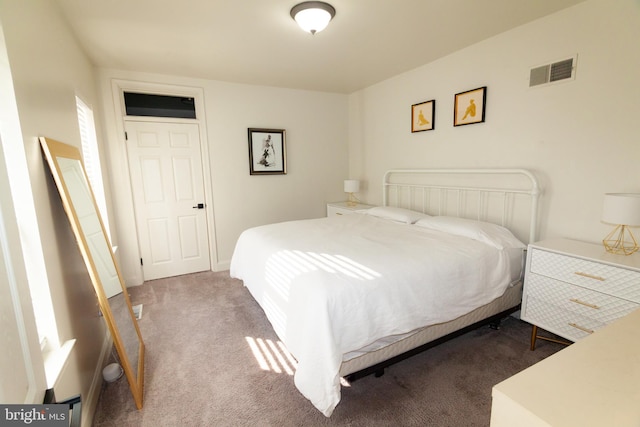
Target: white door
[168, 189]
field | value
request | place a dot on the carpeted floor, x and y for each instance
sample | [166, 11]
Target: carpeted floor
[200, 370]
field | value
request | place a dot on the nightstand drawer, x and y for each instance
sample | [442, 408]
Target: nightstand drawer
[335, 210]
[560, 321]
[585, 302]
[600, 277]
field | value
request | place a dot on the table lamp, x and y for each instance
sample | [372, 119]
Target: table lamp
[623, 210]
[351, 186]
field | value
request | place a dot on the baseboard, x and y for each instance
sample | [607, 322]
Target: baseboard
[91, 400]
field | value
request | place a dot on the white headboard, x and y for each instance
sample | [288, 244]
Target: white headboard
[508, 197]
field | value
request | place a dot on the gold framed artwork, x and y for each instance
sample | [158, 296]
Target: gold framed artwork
[469, 107]
[423, 116]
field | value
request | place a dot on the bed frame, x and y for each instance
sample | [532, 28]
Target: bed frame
[508, 197]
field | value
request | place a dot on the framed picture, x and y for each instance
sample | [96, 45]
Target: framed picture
[267, 152]
[423, 116]
[469, 107]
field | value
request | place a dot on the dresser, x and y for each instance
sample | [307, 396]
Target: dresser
[573, 288]
[344, 208]
[592, 383]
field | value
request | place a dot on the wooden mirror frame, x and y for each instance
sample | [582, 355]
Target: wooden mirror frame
[58, 154]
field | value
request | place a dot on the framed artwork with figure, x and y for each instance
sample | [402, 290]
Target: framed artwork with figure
[469, 107]
[267, 152]
[423, 116]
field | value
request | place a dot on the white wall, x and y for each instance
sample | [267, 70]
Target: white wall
[21, 363]
[316, 139]
[48, 70]
[580, 138]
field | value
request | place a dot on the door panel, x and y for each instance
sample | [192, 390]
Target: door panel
[152, 184]
[183, 174]
[188, 233]
[167, 183]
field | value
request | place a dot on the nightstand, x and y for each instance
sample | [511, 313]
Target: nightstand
[343, 208]
[573, 288]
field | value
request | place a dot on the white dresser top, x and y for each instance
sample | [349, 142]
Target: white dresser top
[594, 382]
[591, 251]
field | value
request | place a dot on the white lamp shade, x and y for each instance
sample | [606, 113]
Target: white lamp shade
[621, 208]
[351, 185]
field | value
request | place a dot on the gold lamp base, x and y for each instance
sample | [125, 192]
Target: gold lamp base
[618, 243]
[352, 200]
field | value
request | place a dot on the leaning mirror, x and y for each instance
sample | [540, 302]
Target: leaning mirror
[70, 177]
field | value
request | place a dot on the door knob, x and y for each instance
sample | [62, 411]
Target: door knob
[199, 206]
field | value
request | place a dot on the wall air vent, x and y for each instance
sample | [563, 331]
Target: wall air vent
[554, 72]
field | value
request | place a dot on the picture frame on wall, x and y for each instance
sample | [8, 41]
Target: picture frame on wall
[267, 152]
[423, 116]
[469, 107]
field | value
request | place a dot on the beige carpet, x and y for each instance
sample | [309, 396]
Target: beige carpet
[200, 370]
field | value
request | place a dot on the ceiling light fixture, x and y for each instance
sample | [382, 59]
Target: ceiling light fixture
[313, 16]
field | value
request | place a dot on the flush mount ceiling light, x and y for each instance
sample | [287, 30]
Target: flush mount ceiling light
[313, 16]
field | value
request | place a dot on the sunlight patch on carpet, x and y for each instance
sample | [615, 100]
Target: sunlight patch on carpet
[272, 356]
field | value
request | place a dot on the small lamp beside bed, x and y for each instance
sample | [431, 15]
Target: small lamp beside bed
[351, 186]
[623, 210]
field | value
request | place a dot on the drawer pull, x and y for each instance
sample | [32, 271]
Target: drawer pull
[589, 331]
[577, 301]
[338, 213]
[590, 276]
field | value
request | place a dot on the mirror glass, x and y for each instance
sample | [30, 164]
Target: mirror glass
[77, 198]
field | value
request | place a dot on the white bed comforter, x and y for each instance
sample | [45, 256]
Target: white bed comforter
[333, 285]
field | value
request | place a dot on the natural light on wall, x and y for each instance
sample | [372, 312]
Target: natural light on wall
[91, 158]
[30, 242]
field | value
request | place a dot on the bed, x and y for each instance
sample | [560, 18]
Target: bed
[349, 294]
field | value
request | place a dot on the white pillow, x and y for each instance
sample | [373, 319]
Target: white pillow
[396, 214]
[491, 234]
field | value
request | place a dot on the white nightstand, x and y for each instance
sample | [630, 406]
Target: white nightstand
[573, 288]
[343, 208]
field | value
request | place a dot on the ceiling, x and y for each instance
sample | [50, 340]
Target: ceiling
[257, 41]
